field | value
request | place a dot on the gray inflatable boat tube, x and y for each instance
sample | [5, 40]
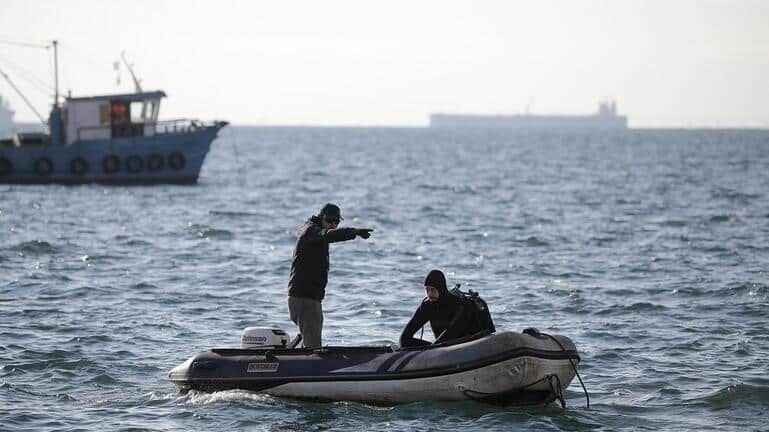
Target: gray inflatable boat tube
[507, 366]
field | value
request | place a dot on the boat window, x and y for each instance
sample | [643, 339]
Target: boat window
[150, 115]
[138, 112]
[104, 114]
[121, 112]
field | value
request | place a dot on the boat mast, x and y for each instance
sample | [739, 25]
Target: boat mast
[56, 73]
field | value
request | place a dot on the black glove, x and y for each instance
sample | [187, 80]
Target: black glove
[364, 232]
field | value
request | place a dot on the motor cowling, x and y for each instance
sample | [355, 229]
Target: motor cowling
[263, 337]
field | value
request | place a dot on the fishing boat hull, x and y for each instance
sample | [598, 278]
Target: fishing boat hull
[507, 366]
[163, 158]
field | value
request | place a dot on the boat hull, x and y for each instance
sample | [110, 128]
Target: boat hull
[508, 367]
[174, 158]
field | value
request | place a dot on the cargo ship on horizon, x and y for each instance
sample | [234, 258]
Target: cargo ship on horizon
[606, 118]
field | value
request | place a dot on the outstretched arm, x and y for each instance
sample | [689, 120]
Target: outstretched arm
[315, 235]
[319, 235]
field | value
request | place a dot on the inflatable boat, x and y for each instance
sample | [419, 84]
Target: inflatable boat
[509, 367]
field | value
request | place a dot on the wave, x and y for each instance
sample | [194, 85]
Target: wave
[103, 380]
[65, 294]
[59, 365]
[137, 242]
[37, 313]
[206, 232]
[644, 306]
[144, 285]
[635, 307]
[722, 218]
[198, 398]
[23, 389]
[753, 290]
[533, 241]
[717, 249]
[734, 195]
[673, 223]
[232, 213]
[91, 339]
[756, 290]
[603, 240]
[34, 247]
[737, 394]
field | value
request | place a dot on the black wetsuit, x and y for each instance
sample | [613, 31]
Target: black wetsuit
[310, 262]
[450, 317]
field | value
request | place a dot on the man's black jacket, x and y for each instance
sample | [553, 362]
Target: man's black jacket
[309, 265]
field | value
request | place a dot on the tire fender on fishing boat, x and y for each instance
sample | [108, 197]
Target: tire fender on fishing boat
[155, 162]
[176, 161]
[6, 167]
[134, 164]
[78, 166]
[43, 166]
[110, 163]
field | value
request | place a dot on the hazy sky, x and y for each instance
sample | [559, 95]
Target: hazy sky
[667, 63]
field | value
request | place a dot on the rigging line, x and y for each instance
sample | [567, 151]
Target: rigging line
[36, 87]
[23, 70]
[44, 90]
[24, 44]
[30, 77]
[32, 107]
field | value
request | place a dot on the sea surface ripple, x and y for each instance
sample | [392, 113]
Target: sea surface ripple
[649, 248]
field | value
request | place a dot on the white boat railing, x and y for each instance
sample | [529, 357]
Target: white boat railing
[163, 127]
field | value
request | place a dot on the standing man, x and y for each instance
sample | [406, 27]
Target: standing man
[309, 270]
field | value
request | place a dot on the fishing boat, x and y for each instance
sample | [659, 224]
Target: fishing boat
[111, 138]
[510, 367]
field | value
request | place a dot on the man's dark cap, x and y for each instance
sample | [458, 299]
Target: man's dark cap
[331, 212]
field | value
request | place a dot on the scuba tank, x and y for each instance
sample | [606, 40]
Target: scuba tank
[479, 307]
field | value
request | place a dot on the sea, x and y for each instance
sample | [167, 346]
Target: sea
[648, 248]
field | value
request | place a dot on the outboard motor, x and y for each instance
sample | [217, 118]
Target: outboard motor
[263, 338]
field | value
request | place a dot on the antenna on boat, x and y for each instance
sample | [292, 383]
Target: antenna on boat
[137, 83]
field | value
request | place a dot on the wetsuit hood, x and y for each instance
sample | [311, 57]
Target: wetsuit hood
[437, 280]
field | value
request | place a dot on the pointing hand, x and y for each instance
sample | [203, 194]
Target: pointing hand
[364, 232]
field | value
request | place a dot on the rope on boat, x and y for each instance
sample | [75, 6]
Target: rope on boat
[587, 396]
[552, 379]
[555, 386]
